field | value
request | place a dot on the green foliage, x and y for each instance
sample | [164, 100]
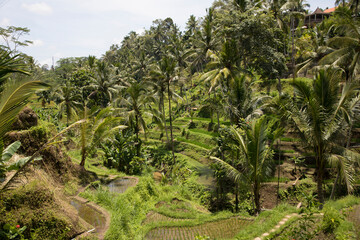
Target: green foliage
[12, 232]
[120, 153]
[198, 237]
[33, 206]
[265, 221]
[331, 220]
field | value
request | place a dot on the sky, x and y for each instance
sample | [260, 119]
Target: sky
[76, 28]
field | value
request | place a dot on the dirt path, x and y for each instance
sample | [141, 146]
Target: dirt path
[354, 217]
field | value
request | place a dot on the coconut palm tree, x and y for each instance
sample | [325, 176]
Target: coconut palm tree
[105, 84]
[318, 113]
[204, 40]
[345, 47]
[254, 164]
[136, 100]
[14, 95]
[223, 67]
[96, 127]
[67, 100]
[163, 74]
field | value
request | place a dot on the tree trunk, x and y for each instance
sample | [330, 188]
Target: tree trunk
[171, 132]
[257, 197]
[320, 175]
[83, 157]
[164, 117]
[278, 187]
[334, 187]
[279, 86]
[293, 46]
[138, 144]
[83, 139]
[236, 198]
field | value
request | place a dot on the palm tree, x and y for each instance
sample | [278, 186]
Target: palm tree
[345, 49]
[222, 70]
[318, 115]
[14, 95]
[95, 128]
[10, 64]
[204, 40]
[136, 99]
[105, 84]
[223, 67]
[163, 74]
[296, 9]
[68, 101]
[254, 164]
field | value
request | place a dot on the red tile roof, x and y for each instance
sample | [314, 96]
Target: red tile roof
[330, 10]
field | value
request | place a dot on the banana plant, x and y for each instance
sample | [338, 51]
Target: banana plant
[7, 154]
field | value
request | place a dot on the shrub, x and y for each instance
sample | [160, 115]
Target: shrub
[331, 220]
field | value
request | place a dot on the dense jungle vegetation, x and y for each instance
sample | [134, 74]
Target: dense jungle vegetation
[244, 125]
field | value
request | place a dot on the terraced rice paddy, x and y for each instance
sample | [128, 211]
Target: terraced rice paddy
[157, 217]
[221, 229]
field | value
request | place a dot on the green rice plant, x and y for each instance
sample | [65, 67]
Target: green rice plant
[196, 143]
[265, 221]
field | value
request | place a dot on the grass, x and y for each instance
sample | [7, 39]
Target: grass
[275, 179]
[287, 139]
[129, 210]
[193, 142]
[204, 132]
[265, 222]
[92, 164]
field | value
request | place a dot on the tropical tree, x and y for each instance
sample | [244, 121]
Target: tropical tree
[223, 67]
[67, 100]
[254, 163]
[163, 74]
[135, 100]
[345, 46]
[318, 114]
[104, 84]
[14, 95]
[96, 127]
[204, 40]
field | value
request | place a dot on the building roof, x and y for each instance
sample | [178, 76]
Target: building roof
[317, 11]
[330, 10]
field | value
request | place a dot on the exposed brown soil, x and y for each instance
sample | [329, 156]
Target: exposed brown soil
[268, 194]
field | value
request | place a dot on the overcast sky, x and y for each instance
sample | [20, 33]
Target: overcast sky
[74, 28]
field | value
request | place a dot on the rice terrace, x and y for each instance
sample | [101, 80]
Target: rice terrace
[180, 120]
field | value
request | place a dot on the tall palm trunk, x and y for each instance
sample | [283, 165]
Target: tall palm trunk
[257, 197]
[138, 144]
[83, 139]
[320, 175]
[162, 110]
[293, 45]
[171, 131]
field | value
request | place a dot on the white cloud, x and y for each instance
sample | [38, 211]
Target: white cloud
[37, 43]
[140, 31]
[5, 22]
[49, 60]
[38, 8]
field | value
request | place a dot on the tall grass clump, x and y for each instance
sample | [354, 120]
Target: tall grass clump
[334, 220]
[128, 210]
